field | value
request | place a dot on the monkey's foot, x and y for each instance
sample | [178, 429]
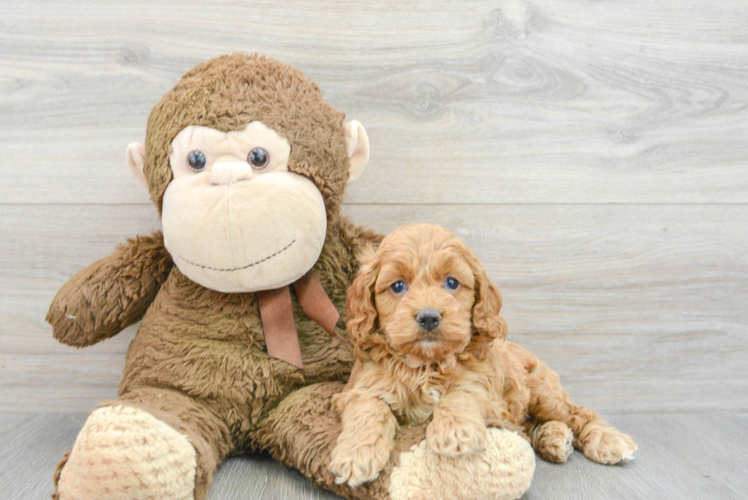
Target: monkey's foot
[501, 471]
[123, 453]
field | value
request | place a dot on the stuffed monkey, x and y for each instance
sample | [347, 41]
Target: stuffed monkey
[241, 346]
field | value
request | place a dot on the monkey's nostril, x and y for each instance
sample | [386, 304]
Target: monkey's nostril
[428, 318]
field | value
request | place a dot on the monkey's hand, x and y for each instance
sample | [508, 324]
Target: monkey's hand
[110, 294]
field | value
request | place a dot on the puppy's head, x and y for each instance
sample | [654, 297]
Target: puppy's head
[426, 295]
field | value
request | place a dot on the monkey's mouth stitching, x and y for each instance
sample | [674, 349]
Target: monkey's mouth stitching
[243, 267]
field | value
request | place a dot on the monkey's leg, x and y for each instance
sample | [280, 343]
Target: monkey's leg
[303, 430]
[150, 443]
[552, 408]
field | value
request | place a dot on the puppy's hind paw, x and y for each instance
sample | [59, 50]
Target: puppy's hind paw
[608, 446]
[552, 440]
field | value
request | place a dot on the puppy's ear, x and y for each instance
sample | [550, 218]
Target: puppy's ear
[487, 324]
[362, 313]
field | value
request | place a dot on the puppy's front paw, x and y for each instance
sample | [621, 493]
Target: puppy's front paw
[608, 445]
[452, 437]
[357, 465]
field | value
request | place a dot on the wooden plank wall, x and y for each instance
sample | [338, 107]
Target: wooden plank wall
[593, 153]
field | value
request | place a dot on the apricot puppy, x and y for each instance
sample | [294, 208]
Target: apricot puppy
[430, 345]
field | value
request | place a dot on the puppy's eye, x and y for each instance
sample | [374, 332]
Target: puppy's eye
[197, 160]
[398, 287]
[258, 158]
[451, 283]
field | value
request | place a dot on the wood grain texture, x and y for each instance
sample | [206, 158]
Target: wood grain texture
[639, 308]
[680, 457]
[478, 101]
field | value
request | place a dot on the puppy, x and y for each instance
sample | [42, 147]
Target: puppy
[430, 345]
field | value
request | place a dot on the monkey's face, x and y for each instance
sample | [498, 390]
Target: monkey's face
[234, 218]
[245, 206]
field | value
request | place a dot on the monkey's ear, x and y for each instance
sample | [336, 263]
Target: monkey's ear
[357, 144]
[135, 156]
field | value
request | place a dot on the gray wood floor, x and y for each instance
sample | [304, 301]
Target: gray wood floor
[687, 456]
[593, 154]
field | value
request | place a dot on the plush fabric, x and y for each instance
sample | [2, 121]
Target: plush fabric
[503, 470]
[198, 372]
[199, 361]
[227, 93]
[150, 458]
[128, 280]
[291, 250]
[358, 148]
[228, 184]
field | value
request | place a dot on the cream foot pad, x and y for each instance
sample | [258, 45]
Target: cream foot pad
[123, 453]
[503, 471]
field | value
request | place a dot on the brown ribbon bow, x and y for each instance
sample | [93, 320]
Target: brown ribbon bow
[276, 312]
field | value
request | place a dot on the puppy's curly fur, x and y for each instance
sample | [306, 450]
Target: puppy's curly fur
[430, 344]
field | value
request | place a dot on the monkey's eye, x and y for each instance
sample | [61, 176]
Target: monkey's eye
[197, 160]
[451, 283]
[398, 287]
[258, 158]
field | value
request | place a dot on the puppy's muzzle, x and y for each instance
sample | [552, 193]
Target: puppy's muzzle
[428, 318]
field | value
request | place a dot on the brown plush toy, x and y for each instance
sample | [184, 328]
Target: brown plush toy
[240, 348]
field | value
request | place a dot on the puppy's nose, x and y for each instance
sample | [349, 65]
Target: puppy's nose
[428, 318]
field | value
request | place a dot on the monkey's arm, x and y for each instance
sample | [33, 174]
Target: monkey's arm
[110, 294]
[366, 243]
